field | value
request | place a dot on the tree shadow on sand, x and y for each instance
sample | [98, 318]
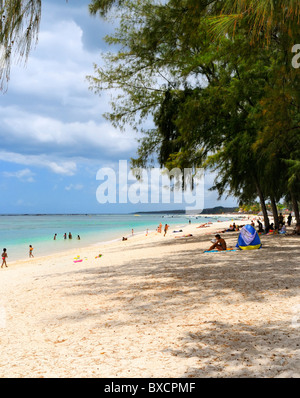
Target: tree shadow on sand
[148, 289]
[240, 350]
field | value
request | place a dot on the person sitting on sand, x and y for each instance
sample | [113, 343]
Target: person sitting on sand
[260, 226]
[231, 228]
[296, 230]
[220, 244]
[270, 229]
[282, 229]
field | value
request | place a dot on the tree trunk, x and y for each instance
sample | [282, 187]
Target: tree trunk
[275, 212]
[295, 207]
[263, 206]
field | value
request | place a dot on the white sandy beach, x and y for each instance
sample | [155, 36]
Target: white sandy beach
[154, 306]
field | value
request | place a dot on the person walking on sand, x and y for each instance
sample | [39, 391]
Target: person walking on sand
[4, 257]
[30, 251]
[166, 229]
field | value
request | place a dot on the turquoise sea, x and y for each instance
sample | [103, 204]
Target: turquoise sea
[17, 232]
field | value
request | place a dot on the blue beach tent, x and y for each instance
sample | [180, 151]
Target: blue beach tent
[248, 238]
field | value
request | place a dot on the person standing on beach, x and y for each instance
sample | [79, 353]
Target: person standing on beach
[166, 229]
[280, 219]
[55, 236]
[4, 257]
[289, 220]
[30, 251]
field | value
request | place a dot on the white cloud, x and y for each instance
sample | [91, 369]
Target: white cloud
[29, 131]
[57, 66]
[76, 187]
[49, 109]
[67, 168]
[25, 175]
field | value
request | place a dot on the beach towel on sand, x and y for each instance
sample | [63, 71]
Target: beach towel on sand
[248, 238]
[220, 251]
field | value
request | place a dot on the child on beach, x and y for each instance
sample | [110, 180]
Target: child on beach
[4, 257]
[30, 251]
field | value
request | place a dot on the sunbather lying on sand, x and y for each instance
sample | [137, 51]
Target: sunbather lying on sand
[202, 226]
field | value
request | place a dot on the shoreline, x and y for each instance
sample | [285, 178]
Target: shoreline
[154, 306]
[130, 238]
[56, 251]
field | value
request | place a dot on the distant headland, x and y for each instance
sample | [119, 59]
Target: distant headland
[213, 210]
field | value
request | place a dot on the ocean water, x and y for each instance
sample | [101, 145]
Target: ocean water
[17, 232]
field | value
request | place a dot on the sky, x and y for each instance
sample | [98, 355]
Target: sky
[54, 138]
